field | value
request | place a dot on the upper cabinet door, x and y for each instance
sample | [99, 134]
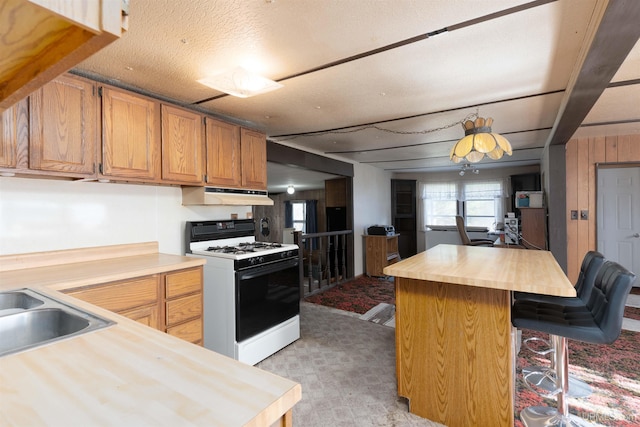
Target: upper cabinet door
[14, 136]
[131, 136]
[182, 146]
[63, 127]
[223, 154]
[254, 159]
[43, 38]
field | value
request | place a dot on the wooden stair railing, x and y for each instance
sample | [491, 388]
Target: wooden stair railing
[323, 265]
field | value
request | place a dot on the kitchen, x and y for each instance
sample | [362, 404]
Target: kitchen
[42, 215]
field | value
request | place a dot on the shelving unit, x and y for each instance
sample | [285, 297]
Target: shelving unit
[380, 252]
[403, 215]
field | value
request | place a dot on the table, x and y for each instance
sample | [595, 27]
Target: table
[455, 356]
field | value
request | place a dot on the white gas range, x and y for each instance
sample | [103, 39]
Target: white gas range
[251, 289]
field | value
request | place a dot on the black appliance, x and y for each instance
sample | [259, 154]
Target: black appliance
[381, 230]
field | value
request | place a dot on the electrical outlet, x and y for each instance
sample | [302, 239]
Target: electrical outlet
[584, 214]
[574, 214]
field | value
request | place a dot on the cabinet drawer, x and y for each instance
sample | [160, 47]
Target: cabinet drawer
[181, 309]
[121, 296]
[183, 282]
[190, 331]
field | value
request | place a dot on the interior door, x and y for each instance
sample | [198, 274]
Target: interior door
[618, 220]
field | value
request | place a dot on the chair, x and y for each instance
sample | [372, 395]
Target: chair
[544, 377]
[599, 321]
[591, 264]
[465, 237]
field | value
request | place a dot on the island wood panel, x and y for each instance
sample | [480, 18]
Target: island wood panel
[581, 158]
[453, 352]
[454, 355]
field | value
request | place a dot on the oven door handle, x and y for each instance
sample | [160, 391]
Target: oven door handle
[250, 273]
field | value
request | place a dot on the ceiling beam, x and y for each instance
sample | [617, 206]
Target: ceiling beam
[616, 35]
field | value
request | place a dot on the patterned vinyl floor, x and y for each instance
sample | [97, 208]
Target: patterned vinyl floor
[347, 370]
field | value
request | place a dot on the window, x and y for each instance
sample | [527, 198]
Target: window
[441, 212]
[440, 203]
[480, 213]
[299, 210]
[482, 200]
[481, 203]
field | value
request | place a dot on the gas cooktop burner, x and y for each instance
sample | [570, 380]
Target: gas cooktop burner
[243, 248]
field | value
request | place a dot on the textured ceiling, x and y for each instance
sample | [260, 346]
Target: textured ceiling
[511, 60]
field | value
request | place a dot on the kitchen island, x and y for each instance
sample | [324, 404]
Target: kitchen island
[127, 374]
[455, 346]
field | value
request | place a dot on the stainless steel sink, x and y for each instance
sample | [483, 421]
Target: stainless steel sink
[29, 319]
[17, 301]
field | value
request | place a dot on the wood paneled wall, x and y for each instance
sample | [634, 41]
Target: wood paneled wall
[275, 213]
[582, 155]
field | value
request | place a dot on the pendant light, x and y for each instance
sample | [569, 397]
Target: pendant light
[478, 142]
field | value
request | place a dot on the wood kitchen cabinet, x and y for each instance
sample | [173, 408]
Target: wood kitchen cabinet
[381, 251]
[335, 192]
[183, 304]
[170, 302]
[137, 299]
[236, 157]
[130, 136]
[63, 127]
[14, 137]
[42, 39]
[182, 146]
[253, 146]
[223, 154]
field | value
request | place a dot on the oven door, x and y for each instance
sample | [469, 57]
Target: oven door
[266, 295]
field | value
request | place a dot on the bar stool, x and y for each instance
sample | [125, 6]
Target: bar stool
[544, 377]
[599, 321]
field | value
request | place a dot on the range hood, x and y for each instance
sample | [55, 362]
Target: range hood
[224, 196]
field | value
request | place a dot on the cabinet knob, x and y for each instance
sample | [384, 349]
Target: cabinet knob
[636, 235]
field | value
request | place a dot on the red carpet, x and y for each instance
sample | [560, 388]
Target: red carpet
[358, 295]
[613, 371]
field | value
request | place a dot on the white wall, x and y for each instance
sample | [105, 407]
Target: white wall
[429, 239]
[371, 205]
[43, 215]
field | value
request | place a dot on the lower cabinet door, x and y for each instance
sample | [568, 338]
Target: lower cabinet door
[147, 315]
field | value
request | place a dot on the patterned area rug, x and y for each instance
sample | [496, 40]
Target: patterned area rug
[358, 295]
[613, 371]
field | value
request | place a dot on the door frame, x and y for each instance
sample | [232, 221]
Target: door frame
[599, 166]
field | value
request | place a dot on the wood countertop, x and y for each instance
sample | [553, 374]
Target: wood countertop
[126, 374]
[496, 268]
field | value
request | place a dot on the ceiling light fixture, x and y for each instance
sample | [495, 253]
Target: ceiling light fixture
[468, 167]
[240, 82]
[478, 142]
[290, 189]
